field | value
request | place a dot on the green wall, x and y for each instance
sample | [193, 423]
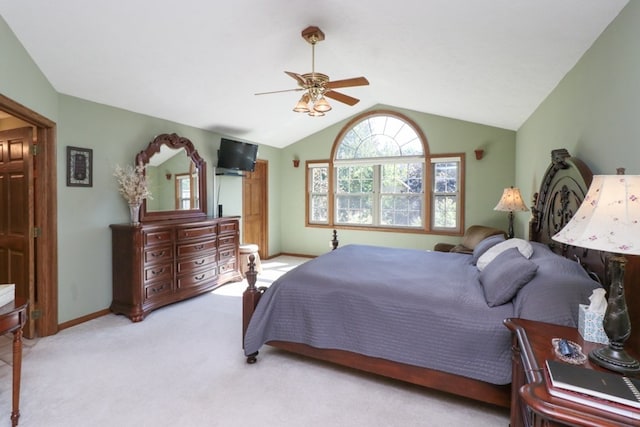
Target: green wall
[20, 78]
[593, 112]
[485, 180]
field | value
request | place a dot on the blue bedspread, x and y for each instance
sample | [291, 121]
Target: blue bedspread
[416, 307]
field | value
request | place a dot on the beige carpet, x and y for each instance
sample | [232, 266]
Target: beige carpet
[183, 366]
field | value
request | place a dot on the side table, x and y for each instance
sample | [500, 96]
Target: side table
[531, 403]
[13, 316]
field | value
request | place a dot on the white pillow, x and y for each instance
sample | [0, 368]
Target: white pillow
[523, 246]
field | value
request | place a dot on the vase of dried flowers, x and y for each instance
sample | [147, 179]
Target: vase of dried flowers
[134, 212]
[134, 187]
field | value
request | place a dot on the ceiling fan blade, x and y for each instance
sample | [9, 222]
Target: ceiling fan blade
[279, 91]
[349, 100]
[297, 77]
[356, 81]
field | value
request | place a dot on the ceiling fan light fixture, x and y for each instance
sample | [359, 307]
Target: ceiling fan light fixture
[302, 106]
[316, 113]
[321, 105]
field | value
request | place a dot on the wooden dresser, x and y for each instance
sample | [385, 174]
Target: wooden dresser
[162, 262]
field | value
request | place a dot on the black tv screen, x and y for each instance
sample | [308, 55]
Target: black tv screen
[236, 155]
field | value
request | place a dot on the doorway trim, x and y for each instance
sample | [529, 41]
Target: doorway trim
[45, 214]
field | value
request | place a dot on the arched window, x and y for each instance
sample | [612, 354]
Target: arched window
[380, 175]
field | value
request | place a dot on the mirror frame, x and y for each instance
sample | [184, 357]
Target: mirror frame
[176, 142]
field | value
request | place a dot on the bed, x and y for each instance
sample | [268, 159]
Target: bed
[431, 318]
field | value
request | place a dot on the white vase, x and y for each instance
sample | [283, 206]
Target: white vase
[134, 211]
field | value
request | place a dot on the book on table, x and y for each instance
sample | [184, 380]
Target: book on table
[603, 390]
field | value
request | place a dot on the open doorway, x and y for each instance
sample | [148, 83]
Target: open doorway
[38, 151]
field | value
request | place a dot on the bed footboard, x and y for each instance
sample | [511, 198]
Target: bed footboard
[250, 298]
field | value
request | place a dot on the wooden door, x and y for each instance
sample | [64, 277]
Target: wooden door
[254, 207]
[17, 215]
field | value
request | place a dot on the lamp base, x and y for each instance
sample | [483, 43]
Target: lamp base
[615, 359]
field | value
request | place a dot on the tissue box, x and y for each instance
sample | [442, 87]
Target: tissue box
[590, 325]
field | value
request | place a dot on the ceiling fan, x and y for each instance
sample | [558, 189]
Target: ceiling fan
[317, 86]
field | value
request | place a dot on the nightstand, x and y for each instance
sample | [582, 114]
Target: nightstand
[531, 404]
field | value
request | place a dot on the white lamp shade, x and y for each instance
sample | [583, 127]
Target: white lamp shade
[511, 201]
[608, 218]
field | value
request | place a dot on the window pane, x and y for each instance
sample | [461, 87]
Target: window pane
[355, 179]
[401, 210]
[354, 209]
[445, 212]
[320, 180]
[402, 178]
[380, 136]
[319, 208]
[445, 176]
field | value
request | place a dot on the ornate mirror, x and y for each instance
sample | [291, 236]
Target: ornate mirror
[177, 179]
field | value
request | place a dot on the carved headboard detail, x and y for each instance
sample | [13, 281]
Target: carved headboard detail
[563, 188]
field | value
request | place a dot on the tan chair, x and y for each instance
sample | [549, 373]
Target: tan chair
[472, 236]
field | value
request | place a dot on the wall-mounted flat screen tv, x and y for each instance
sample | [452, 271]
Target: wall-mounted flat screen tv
[236, 155]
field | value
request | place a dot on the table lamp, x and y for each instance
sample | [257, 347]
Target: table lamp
[609, 220]
[511, 201]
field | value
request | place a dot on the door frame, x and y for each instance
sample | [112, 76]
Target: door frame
[45, 213]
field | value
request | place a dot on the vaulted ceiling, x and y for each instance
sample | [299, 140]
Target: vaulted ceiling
[200, 62]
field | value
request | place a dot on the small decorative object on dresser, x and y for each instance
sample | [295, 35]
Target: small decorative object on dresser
[134, 187]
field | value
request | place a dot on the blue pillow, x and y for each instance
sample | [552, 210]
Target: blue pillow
[485, 245]
[503, 277]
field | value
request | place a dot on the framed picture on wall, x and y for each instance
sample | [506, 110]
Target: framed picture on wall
[79, 167]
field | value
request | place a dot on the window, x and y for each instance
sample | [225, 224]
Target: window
[318, 191]
[382, 176]
[187, 192]
[445, 197]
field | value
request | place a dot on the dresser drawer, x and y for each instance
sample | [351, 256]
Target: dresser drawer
[188, 233]
[227, 267]
[158, 290]
[227, 241]
[158, 272]
[197, 278]
[156, 254]
[225, 254]
[157, 237]
[228, 227]
[196, 249]
[197, 263]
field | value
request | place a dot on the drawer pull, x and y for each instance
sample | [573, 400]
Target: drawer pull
[226, 254]
[156, 290]
[158, 254]
[156, 272]
[200, 277]
[198, 247]
[199, 262]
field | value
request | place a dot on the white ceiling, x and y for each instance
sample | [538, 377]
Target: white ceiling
[199, 62]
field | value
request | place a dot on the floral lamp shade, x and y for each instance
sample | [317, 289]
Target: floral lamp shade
[609, 217]
[511, 201]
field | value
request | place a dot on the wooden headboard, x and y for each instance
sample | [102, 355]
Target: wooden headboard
[563, 187]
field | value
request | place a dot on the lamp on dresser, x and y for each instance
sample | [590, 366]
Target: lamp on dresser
[511, 201]
[609, 220]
